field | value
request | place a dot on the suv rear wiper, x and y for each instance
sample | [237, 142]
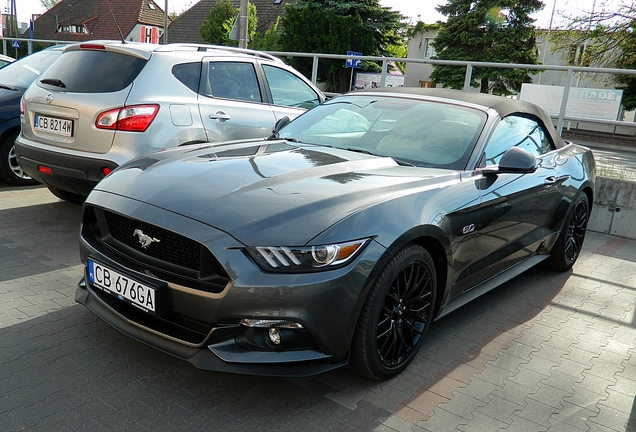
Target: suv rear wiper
[8, 87]
[54, 82]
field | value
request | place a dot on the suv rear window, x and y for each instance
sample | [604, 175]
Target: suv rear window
[92, 72]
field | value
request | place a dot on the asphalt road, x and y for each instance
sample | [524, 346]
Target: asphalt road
[545, 352]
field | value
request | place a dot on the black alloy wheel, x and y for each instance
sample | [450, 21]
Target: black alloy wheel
[396, 315]
[570, 242]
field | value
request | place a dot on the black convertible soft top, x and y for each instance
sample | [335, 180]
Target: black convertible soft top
[503, 105]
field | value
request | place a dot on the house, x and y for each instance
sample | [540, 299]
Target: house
[82, 20]
[185, 28]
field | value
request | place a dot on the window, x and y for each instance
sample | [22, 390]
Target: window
[92, 71]
[71, 29]
[429, 51]
[289, 90]
[189, 74]
[233, 80]
[516, 131]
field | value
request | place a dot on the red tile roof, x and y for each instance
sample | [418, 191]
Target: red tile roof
[99, 17]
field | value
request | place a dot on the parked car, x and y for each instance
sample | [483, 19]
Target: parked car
[105, 103]
[337, 240]
[5, 60]
[15, 77]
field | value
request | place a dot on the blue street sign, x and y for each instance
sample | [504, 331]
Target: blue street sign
[351, 62]
[15, 44]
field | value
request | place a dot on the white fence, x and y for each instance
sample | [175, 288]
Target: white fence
[569, 72]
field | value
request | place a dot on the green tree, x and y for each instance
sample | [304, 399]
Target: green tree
[498, 31]
[627, 60]
[268, 41]
[335, 27]
[603, 38]
[218, 25]
[48, 4]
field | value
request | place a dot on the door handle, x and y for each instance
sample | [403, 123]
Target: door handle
[220, 116]
[553, 179]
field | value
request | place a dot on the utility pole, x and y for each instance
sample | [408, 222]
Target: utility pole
[243, 11]
[165, 23]
[12, 21]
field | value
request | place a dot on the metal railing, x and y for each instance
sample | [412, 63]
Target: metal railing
[469, 65]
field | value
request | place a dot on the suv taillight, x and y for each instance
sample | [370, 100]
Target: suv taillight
[132, 119]
[22, 105]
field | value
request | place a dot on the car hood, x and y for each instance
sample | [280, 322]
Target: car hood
[268, 191]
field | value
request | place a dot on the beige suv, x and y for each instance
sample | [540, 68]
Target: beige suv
[104, 103]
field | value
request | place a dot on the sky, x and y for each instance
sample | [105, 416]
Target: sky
[417, 10]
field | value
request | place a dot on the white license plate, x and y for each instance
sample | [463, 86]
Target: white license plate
[122, 287]
[53, 125]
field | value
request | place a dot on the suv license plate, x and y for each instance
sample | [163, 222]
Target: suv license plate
[126, 289]
[53, 125]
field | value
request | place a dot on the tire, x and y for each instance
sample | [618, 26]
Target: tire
[396, 315]
[568, 246]
[10, 170]
[67, 196]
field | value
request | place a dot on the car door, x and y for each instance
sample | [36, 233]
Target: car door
[231, 101]
[515, 209]
[291, 95]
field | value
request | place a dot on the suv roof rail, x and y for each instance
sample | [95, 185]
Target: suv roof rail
[204, 47]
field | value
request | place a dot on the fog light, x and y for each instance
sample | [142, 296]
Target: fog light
[274, 336]
[247, 322]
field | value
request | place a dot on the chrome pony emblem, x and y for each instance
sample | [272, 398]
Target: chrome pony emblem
[49, 98]
[144, 240]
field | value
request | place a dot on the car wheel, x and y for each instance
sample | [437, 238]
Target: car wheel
[568, 246]
[67, 196]
[396, 315]
[10, 169]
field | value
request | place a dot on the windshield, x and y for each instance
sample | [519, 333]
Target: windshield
[21, 73]
[418, 132]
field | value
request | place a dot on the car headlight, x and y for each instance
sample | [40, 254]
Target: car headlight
[305, 259]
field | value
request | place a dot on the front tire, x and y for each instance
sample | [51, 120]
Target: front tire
[10, 169]
[396, 315]
[568, 246]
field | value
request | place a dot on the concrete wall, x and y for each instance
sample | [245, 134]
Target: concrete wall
[614, 210]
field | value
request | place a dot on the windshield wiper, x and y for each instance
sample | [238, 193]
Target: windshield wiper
[54, 82]
[397, 161]
[8, 87]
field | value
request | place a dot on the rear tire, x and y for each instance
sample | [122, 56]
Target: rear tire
[10, 169]
[67, 196]
[568, 246]
[396, 315]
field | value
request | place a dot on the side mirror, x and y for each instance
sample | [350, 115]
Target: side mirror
[513, 161]
[281, 123]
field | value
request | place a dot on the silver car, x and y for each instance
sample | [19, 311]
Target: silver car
[104, 103]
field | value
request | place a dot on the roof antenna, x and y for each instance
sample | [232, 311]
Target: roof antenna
[123, 40]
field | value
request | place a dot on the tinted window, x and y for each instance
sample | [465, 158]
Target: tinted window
[233, 80]
[23, 72]
[93, 72]
[189, 74]
[289, 90]
[515, 131]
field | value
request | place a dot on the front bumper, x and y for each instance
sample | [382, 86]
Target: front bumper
[221, 356]
[201, 324]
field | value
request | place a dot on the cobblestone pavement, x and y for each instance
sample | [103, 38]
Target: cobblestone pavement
[545, 352]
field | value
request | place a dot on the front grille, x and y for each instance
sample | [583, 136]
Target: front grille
[172, 248]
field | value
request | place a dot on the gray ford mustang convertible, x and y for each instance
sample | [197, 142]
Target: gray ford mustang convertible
[337, 240]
